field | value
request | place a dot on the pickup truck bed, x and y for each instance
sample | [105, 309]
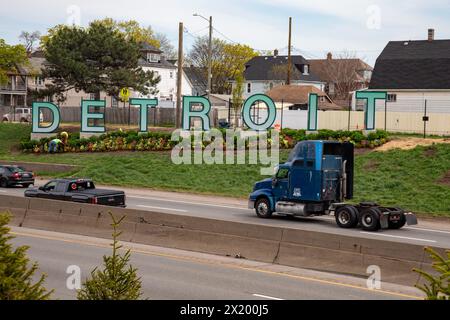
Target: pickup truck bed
[77, 190]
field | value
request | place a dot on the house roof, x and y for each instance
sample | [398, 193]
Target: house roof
[263, 68]
[299, 94]
[321, 67]
[148, 47]
[413, 65]
[196, 77]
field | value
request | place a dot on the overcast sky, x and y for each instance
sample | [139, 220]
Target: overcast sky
[319, 26]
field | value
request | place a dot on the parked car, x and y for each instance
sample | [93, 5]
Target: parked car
[77, 190]
[14, 175]
[21, 115]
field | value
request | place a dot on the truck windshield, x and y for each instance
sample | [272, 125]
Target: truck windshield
[16, 169]
[81, 185]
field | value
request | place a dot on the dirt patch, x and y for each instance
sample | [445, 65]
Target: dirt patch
[371, 165]
[410, 143]
[445, 180]
[430, 151]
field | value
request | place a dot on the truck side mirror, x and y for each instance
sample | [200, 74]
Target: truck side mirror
[274, 182]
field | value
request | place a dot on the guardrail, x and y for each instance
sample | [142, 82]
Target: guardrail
[284, 246]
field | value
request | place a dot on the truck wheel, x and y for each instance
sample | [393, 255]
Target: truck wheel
[346, 217]
[262, 208]
[370, 219]
[397, 224]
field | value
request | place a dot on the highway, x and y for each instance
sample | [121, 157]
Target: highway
[176, 274]
[425, 233]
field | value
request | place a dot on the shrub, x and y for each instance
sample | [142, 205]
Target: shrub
[438, 287]
[118, 280]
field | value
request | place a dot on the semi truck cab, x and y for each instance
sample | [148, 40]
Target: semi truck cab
[317, 179]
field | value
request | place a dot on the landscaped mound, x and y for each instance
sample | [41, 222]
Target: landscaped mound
[158, 141]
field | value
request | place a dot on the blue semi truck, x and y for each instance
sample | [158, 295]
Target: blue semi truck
[316, 180]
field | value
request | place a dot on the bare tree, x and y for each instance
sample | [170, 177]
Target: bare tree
[29, 39]
[165, 46]
[345, 73]
[279, 72]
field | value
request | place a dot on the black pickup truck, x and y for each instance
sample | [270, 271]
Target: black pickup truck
[77, 190]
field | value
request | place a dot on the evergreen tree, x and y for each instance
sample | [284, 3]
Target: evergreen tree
[118, 280]
[15, 276]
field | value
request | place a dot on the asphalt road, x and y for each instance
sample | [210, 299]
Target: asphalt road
[177, 274]
[175, 203]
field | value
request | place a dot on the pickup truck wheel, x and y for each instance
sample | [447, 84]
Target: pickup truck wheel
[346, 217]
[3, 183]
[370, 219]
[262, 208]
[397, 224]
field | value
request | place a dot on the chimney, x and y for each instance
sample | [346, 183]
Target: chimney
[275, 52]
[430, 35]
[329, 56]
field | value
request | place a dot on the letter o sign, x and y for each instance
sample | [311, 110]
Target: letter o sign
[271, 112]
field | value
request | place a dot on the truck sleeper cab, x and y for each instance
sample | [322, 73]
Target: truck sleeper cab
[316, 180]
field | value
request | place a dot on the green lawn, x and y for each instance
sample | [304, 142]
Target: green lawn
[406, 178]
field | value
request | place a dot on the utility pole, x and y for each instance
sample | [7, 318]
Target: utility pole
[289, 53]
[179, 75]
[208, 89]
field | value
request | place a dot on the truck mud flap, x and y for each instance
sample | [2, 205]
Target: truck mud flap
[411, 218]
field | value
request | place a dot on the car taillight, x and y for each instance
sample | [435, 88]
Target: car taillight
[16, 175]
[94, 200]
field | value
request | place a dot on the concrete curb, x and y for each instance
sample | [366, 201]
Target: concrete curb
[284, 246]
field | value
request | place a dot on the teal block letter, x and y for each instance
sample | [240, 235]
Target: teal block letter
[313, 106]
[271, 112]
[86, 115]
[35, 119]
[203, 114]
[144, 104]
[371, 97]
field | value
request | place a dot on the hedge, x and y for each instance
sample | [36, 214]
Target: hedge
[158, 141]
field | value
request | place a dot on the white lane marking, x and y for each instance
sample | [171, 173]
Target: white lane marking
[399, 237]
[161, 208]
[3, 191]
[431, 230]
[187, 202]
[266, 297]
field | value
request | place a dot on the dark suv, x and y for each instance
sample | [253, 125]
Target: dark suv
[13, 175]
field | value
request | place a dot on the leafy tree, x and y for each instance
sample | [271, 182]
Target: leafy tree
[132, 31]
[98, 58]
[438, 287]
[228, 60]
[118, 280]
[16, 278]
[10, 57]
[30, 39]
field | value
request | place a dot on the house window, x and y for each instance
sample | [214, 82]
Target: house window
[171, 74]
[152, 57]
[391, 98]
[305, 69]
[249, 87]
[271, 85]
[38, 81]
[91, 96]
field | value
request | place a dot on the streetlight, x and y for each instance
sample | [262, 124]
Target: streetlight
[208, 89]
